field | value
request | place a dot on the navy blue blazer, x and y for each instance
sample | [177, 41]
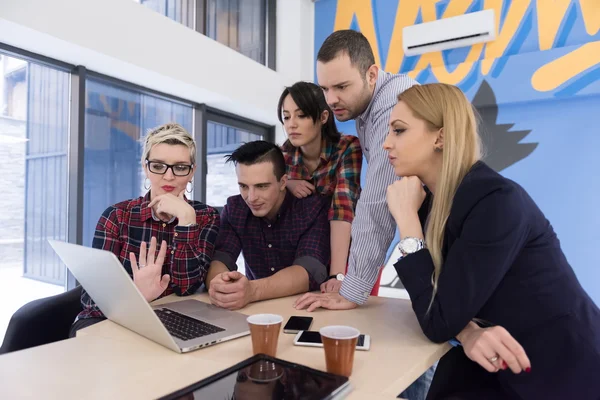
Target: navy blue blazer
[503, 264]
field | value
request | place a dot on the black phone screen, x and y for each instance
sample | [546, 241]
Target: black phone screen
[315, 337]
[298, 324]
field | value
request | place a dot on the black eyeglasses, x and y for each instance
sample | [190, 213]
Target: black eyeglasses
[161, 168]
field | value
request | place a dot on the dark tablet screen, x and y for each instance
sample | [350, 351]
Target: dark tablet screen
[263, 377]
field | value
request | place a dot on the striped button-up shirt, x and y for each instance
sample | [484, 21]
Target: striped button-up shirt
[373, 227]
[122, 228]
[337, 175]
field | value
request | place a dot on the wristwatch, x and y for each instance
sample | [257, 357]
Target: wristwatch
[410, 245]
[340, 277]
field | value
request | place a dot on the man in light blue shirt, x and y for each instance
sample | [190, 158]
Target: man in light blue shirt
[356, 89]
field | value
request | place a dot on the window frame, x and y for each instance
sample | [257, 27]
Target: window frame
[201, 115]
[74, 157]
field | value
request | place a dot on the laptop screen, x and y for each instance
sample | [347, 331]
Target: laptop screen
[263, 377]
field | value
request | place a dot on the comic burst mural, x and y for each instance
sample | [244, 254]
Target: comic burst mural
[537, 90]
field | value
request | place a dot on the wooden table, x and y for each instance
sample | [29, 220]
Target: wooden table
[109, 361]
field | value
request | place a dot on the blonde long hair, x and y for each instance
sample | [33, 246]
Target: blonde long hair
[445, 106]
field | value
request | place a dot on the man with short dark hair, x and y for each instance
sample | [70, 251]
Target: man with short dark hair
[285, 240]
[355, 88]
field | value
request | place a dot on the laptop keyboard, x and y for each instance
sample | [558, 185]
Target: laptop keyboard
[184, 327]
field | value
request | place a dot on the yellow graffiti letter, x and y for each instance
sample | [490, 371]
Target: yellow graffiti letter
[549, 16]
[346, 9]
[406, 15]
[512, 22]
[557, 72]
[591, 15]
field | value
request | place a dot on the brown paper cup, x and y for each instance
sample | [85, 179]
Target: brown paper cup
[264, 330]
[339, 343]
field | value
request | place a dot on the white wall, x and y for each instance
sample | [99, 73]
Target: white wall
[128, 41]
[295, 50]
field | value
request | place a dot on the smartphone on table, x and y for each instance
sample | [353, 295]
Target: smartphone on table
[313, 339]
[296, 324]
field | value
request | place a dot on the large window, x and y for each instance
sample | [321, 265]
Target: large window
[240, 25]
[181, 11]
[116, 120]
[34, 129]
[247, 26]
[70, 145]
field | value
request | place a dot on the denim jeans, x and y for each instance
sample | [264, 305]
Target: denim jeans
[419, 388]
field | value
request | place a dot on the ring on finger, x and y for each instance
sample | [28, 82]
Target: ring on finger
[493, 359]
[141, 266]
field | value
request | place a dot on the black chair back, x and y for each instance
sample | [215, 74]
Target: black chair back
[42, 321]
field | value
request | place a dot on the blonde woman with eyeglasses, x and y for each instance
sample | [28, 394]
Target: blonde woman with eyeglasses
[482, 265]
[164, 240]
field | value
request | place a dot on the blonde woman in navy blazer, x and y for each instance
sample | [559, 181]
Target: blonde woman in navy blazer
[482, 265]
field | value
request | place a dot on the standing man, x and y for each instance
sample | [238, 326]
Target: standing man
[355, 88]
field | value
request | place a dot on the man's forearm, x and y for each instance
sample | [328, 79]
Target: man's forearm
[216, 267]
[340, 246]
[288, 281]
[371, 238]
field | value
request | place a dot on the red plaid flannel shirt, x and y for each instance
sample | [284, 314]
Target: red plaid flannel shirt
[122, 228]
[337, 175]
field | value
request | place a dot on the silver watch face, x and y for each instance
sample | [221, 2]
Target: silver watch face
[409, 245]
[339, 277]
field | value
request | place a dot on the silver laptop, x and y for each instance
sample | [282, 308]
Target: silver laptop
[180, 326]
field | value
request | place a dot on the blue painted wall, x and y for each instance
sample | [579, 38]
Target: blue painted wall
[544, 71]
